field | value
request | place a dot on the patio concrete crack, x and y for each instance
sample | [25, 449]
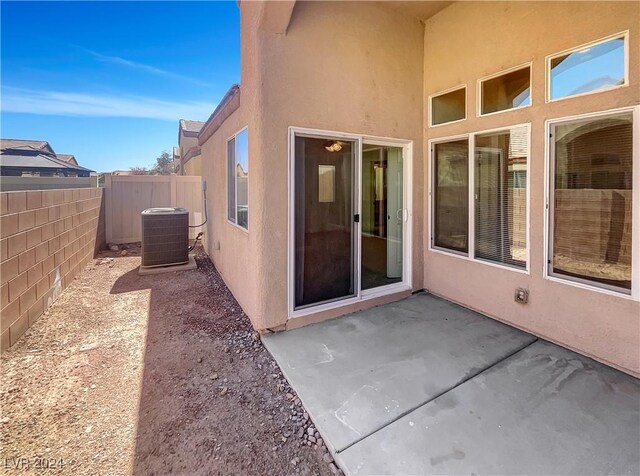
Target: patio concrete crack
[461, 382]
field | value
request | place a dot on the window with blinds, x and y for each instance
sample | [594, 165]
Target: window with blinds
[451, 195]
[592, 188]
[500, 196]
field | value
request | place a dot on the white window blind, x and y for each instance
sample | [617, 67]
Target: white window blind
[500, 201]
[592, 197]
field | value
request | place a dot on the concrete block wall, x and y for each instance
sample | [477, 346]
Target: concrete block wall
[46, 239]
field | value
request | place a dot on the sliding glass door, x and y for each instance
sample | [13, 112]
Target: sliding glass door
[348, 217]
[382, 216]
[324, 220]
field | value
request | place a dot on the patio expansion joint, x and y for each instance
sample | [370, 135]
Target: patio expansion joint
[461, 382]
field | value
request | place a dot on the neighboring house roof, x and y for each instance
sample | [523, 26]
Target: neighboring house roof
[68, 158]
[190, 128]
[29, 159]
[21, 143]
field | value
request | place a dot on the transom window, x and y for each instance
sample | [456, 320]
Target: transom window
[449, 106]
[238, 179]
[508, 90]
[588, 68]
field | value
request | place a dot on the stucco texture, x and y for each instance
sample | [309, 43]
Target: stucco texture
[369, 68]
[460, 48]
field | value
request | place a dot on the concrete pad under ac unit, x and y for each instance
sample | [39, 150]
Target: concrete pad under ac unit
[146, 270]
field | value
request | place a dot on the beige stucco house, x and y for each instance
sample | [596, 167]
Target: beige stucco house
[487, 152]
[187, 157]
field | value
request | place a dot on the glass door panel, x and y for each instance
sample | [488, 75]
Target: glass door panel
[382, 216]
[324, 228]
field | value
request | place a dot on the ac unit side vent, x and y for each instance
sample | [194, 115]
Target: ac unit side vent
[165, 236]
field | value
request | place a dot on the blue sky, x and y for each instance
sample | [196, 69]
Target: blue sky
[108, 81]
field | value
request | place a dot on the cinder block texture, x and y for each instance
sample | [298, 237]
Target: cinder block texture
[48, 237]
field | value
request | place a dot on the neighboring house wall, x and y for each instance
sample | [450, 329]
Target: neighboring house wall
[594, 323]
[47, 239]
[185, 142]
[193, 166]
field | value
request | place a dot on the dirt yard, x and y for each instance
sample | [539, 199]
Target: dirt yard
[150, 375]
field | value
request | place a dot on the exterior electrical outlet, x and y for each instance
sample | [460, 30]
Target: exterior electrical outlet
[165, 236]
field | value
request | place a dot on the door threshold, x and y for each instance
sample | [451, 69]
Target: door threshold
[365, 296]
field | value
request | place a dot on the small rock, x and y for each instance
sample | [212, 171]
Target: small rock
[301, 433]
[199, 360]
[114, 248]
[88, 429]
[312, 439]
[224, 390]
[333, 468]
[327, 458]
[88, 347]
[320, 442]
[123, 253]
[255, 336]
[311, 430]
[214, 376]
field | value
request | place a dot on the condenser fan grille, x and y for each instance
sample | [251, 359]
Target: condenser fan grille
[165, 236]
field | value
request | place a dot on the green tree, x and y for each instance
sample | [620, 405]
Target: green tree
[164, 164]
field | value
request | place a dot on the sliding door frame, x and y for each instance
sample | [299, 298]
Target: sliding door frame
[407, 193]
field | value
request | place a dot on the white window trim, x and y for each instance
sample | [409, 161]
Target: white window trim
[470, 256]
[635, 207]
[496, 75]
[226, 152]
[549, 58]
[366, 294]
[446, 91]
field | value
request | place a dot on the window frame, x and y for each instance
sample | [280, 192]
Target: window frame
[549, 175]
[497, 75]
[441, 93]
[547, 61]
[235, 178]
[470, 255]
[432, 189]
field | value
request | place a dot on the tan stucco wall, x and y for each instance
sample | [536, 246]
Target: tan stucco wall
[459, 49]
[233, 250]
[342, 66]
[193, 166]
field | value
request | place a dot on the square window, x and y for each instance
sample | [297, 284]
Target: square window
[509, 90]
[588, 69]
[449, 107]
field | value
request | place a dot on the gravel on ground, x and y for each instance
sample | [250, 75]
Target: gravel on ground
[159, 374]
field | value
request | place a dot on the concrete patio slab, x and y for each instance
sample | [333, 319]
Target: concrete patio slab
[544, 410]
[361, 372]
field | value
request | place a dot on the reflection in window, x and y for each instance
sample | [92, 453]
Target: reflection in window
[592, 68]
[451, 195]
[238, 179]
[507, 91]
[326, 183]
[500, 206]
[593, 186]
[449, 107]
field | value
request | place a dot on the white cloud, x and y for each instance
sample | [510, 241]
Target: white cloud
[56, 103]
[143, 67]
